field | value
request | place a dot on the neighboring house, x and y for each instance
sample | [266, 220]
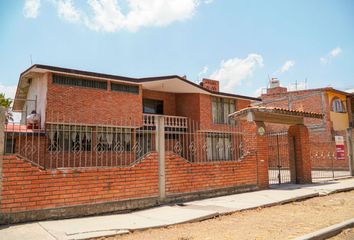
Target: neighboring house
[65, 98]
[336, 105]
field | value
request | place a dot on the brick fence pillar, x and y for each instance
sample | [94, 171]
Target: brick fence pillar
[301, 153]
[256, 142]
[262, 155]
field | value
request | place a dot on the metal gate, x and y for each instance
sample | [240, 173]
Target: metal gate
[324, 162]
[279, 158]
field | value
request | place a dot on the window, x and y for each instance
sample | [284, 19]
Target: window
[124, 88]
[152, 106]
[78, 82]
[69, 138]
[221, 108]
[219, 147]
[113, 139]
[338, 105]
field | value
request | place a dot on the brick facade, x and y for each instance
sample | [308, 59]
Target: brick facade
[26, 187]
[321, 131]
[91, 106]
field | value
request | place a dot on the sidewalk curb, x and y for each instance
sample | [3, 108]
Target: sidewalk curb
[328, 232]
[324, 193]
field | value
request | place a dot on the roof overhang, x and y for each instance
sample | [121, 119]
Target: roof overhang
[171, 83]
[274, 115]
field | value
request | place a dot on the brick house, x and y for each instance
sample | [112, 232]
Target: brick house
[77, 94]
[98, 143]
[60, 95]
[337, 107]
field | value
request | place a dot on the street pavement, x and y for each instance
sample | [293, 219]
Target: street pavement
[108, 225]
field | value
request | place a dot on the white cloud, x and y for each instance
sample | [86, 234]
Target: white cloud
[107, 15]
[67, 10]
[286, 66]
[158, 12]
[233, 71]
[332, 54]
[31, 8]
[335, 52]
[9, 91]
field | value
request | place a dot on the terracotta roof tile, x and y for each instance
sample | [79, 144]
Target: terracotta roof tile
[277, 110]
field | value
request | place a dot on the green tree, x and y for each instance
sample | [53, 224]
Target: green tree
[6, 103]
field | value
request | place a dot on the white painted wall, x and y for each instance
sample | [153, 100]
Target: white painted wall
[38, 88]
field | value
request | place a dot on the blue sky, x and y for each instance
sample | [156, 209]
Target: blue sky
[240, 43]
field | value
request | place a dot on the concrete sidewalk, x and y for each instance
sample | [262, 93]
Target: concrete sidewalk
[88, 227]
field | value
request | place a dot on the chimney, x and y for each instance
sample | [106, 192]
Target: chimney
[212, 85]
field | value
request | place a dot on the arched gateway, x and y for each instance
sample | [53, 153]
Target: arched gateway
[284, 157]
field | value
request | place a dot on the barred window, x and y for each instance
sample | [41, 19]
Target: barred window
[219, 147]
[78, 82]
[124, 88]
[221, 108]
[114, 139]
[338, 105]
[69, 138]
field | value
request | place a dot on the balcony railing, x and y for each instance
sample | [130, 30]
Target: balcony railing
[170, 121]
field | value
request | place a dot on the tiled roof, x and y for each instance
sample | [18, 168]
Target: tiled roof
[129, 79]
[277, 110]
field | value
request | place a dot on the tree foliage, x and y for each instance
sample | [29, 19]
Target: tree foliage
[6, 103]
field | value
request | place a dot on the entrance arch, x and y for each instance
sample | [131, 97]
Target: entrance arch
[298, 166]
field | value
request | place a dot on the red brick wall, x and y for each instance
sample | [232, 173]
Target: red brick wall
[277, 90]
[302, 153]
[323, 150]
[188, 105]
[183, 176]
[242, 103]
[26, 187]
[92, 106]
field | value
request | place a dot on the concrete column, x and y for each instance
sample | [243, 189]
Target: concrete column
[160, 132]
[301, 153]
[350, 146]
